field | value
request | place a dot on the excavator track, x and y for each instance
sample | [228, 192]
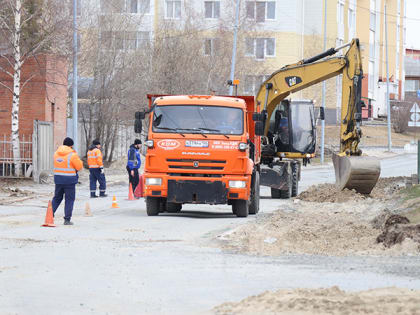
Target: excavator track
[360, 173]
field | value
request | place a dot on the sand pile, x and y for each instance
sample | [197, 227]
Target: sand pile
[327, 301]
[384, 190]
[309, 228]
[332, 223]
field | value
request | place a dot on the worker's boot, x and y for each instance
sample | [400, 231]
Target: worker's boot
[67, 222]
[103, 194]
[93, 195]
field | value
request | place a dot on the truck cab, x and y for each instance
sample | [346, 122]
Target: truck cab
[201, 150]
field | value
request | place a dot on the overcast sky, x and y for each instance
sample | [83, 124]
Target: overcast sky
[413, 24]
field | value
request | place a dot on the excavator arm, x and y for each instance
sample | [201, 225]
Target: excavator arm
[352, 171]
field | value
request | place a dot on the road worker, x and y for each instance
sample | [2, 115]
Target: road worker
[66, 165]
[133, 163]
[96, 170]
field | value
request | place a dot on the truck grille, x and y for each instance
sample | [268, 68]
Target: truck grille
[192, 161]
[188, 164]
[194, 175]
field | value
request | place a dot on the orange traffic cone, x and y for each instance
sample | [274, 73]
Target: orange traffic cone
[130, 193]
[140, 187]
[49, 217]
[88, 213]
[114, 202]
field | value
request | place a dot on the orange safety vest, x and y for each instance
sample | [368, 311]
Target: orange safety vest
[94, 158]
[62, 165]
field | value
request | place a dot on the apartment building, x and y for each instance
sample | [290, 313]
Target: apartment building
[279, 32]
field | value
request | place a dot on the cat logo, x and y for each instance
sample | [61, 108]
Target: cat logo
[292, 81]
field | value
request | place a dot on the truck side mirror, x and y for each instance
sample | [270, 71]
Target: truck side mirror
[257, 117]
[138, 125]
[140, 115]
[259, 128]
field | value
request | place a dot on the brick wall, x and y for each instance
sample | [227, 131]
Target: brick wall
[43, 98]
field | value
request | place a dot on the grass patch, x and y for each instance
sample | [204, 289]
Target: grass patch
[413, 215]
[411, 192]
[317, 160]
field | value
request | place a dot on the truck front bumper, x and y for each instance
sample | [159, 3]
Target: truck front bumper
[205, 190]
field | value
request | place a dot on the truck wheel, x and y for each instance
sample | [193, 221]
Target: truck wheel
[240, 207]
[286, 194]
[295, 181]
[275, 193]
[173, 207]
[254, 206]
[152, 206]
[162, 206]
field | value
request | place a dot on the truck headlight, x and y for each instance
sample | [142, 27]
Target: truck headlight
[153, 181]
[237, 184]
[149, 143]
[242, 146]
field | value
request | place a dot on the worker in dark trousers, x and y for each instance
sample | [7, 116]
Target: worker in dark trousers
[66, 165]
[133, 163]
[96, 170]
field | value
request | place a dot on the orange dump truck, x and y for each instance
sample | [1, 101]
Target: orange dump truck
[201, 150]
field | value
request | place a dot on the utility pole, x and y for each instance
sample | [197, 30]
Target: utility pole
[235, 35]
[75, 114]
[388, 105]
[323, 87]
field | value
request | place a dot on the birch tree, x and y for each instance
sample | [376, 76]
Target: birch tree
[29, 27]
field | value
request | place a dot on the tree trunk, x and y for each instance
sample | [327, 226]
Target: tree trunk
[16, 88]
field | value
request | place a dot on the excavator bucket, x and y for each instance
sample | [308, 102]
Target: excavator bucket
[356, 172]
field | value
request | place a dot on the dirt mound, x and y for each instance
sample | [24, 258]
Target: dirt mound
[337, 229]
[384, 190]
[14, 192]
[396, 229]
[327, 301]
[330, 229]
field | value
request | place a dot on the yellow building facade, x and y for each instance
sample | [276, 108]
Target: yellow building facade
[274, 33]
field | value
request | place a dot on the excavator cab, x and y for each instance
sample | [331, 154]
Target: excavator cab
[292, 127]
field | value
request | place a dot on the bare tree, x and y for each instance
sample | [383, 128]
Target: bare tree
[184, 57]
[29, 27]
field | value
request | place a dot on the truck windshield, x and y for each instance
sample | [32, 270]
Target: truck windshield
[198, 119]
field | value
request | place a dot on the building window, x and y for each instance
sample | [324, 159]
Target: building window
[261, 10]
[351, 22]
[351, 18]
[412, 85]
[136, 40]
[139, 6]
[106, 39]
[372, 51]
[211, 46]
[212, 9]
[173, 9]
[112, 6]
[119, 40]
[372, 24]
[252, 83]
[260, 47]
[130, 40]
[371, 76]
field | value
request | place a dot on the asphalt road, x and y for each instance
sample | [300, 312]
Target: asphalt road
[119, 261]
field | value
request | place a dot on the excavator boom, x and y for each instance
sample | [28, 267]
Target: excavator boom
[352, 170]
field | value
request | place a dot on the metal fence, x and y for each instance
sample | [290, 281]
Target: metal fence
[7, 165]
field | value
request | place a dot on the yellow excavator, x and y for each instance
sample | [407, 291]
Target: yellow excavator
[352, 170]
